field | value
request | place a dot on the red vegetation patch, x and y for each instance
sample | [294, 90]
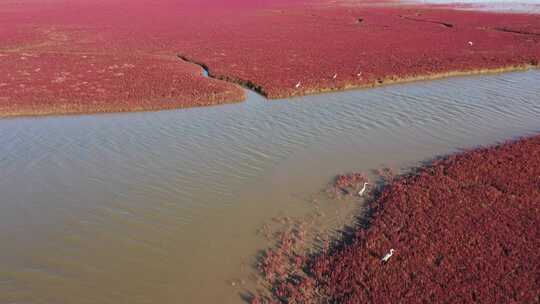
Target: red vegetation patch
[50, 83]
[284, 262]
[280, 48]
[465, 229]
[347, 185]
[320, 48]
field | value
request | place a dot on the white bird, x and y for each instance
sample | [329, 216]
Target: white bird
[470, 43]
[297, 85]
[335, 76]
[387, 256]
[359, 74]
[361, 192]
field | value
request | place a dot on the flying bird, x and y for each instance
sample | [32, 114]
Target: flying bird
[361, 192]
[387, 256]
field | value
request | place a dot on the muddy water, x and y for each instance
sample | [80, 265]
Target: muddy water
[164, 207]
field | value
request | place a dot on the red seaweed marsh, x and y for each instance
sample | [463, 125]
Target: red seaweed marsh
[250, 187]
[461, 229]
[73, 57]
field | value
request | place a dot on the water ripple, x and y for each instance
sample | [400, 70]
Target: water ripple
[137, 179]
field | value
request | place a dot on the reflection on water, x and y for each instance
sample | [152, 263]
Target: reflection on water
[162, 207]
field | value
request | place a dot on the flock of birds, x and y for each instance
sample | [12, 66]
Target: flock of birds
[298, 84]
[470, 43]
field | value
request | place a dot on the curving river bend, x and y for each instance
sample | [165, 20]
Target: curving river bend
[163, 207]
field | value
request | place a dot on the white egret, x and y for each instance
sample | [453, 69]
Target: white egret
[470, 43]
[297, 85]
[335, 76]
[361, 192]
[387, 256]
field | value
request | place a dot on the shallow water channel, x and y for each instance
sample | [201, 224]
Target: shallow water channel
[164, 207]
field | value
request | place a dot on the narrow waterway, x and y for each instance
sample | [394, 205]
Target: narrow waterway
[163, 207]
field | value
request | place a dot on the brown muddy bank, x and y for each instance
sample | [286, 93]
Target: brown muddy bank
[464, 229]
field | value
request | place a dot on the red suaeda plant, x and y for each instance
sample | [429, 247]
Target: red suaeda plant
[309, 48]
[346, 185]
[462, 229]
[326, 48]
[282, 267]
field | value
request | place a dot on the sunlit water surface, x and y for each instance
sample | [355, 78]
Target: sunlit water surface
[163, 207]
[516, 6]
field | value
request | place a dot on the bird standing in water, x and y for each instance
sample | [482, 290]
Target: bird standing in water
[361, 192]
